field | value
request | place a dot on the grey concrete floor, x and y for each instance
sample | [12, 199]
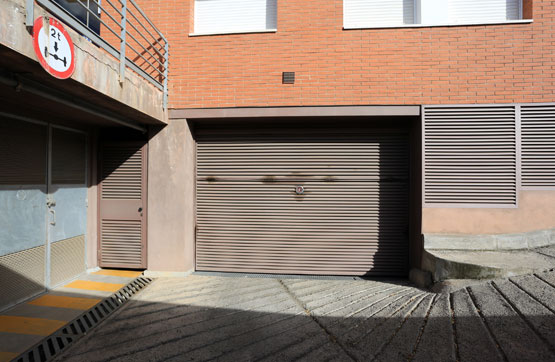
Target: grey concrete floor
[205, 318]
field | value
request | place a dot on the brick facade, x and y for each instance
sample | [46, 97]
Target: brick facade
[427, 65]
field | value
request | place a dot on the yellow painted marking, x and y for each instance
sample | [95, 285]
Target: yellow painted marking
[7, 356]
[28, 325]
[90, 285]
[65, 302]
[119, 273]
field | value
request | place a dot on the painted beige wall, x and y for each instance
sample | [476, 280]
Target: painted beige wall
[92, 228]
[536, 211]
[91, 238]
[171, 187]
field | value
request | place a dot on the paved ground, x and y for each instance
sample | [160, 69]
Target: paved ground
[201, 318]
[26, 324]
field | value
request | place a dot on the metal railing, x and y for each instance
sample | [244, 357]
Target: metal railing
[122, 29]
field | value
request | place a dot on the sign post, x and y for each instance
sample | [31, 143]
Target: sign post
[54, 47]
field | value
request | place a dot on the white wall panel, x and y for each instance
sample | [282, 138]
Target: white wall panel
[228, 16]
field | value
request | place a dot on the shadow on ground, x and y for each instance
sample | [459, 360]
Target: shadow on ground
[202, 318]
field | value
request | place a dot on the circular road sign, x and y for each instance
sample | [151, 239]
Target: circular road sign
[54, 47]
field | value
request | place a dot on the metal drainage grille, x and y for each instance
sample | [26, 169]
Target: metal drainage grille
[51, 346]
[276, 276]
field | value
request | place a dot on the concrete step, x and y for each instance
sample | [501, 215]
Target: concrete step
[486, 264]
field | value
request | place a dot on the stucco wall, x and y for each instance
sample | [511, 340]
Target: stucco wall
[171, 187]
[536, 211]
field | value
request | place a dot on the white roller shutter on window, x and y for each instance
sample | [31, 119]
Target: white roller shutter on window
[228, 16]
[478, 11]
[375, 13]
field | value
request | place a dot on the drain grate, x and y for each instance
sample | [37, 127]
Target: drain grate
[52, 345]
[275, 276]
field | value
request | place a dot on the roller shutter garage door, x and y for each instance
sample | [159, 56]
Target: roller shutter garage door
[351, 219]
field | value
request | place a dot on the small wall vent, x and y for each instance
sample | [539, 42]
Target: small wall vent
[288, 78]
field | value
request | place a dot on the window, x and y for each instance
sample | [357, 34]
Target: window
[393, 13]
[234, 16]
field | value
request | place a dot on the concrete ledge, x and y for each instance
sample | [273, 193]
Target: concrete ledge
[163, 274]
[520, 241]
[94, 68]
[475, 264]
[305, 111]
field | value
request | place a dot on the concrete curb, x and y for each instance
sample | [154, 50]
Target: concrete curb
[519, 241]
[443, 268]
[163, 274]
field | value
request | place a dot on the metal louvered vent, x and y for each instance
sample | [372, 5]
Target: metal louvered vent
[23, 149]
[21, 275]
[288, 78]
[69, 153]
[470, 155]
[121, 242]
[121, 173]
[538, 145]
[67, 259]
[50, 347]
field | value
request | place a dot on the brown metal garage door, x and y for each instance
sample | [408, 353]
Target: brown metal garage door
[352, 218]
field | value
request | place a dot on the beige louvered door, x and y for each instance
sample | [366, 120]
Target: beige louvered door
[122, 206]
[302, 201]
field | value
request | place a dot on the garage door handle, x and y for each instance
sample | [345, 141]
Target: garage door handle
[53, 220]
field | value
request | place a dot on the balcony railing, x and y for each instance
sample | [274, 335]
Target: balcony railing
[119, 27]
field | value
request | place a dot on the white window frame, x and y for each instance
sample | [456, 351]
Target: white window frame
[417, 17]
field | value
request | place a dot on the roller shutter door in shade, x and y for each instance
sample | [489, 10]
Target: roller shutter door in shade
[352, 218]
[123, 205]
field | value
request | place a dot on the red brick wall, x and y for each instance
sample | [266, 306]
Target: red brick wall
[434, 65]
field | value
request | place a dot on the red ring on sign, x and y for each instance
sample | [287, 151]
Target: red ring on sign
[37, 28]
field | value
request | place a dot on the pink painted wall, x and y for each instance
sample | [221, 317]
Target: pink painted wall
[536, 211]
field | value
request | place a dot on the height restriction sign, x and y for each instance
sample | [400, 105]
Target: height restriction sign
[54, 47]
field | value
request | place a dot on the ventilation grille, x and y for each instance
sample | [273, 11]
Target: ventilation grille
[67, 259]
[23, 150]
[538, 146]
[53, 345]
[121, 243]
[121, 173]
[21, 275]
[68, 157]
[470, 155]
[288, 78]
